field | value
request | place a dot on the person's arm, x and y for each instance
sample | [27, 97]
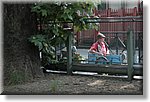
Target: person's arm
[93, 50]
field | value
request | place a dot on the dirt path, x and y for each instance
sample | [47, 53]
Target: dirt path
[77, 84]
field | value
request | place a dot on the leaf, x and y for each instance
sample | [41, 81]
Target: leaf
[45, 44]
[44, 12]
[35, 8]
[36, 43]
[40, 46]
[70, 17]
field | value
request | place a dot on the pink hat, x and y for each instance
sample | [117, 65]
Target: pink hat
[100, 35]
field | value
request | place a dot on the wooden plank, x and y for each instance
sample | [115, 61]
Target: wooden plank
[130, 54]
[95, 20]
[110, 69]
[138, 70]
[69, 54]
[119, 32]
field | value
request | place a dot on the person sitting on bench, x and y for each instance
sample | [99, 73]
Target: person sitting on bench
[99, 47]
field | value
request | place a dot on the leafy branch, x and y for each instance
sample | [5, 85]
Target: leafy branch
[51, 16]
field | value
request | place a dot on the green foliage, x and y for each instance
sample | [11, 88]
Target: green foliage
[102, 5]
[38, 40]
[77, 58]
[52, 16]
[54, 86]
[44, 45]
[17, 77]
[66, 12]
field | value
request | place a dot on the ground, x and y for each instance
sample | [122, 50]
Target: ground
[92, 84]
[63, 84]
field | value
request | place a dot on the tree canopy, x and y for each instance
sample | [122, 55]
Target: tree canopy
[54, 17]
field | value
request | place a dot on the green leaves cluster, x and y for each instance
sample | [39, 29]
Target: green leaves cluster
[17, 77]
[44, 44]
[53, 16]
[59, 11]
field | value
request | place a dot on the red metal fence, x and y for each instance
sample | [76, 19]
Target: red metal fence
[86, 38]
[119, 12]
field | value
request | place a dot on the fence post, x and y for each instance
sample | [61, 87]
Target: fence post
[69, 54]
[135, 11]
[77, 38]
[130, 54]
[117, 44]
[109, 12]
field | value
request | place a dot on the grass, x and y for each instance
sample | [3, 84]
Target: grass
[17, 77]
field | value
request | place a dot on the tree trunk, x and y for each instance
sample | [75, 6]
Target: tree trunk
[21, 58]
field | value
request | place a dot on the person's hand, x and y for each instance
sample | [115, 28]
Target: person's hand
[100, 54]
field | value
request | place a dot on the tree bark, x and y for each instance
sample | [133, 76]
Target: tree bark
[21, 58]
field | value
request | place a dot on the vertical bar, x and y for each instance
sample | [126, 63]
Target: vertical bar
[130, 54]
[77, 38]
[94, 35]
[139, 46]
[117, 44]
[134, 37]
[69, 54]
